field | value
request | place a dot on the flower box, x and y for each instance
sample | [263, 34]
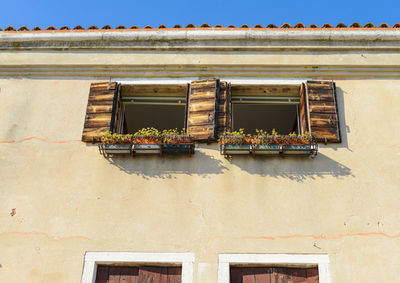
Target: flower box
[300, 149]
[262, 143]
[273, 149]
[146, 148]
[231, 149]
[111, 149]
[184, 148]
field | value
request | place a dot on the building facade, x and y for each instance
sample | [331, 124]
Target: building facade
[70, 214]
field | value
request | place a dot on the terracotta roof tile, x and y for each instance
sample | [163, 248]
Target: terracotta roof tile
[341, 25]
[369, 25]
[299, 25]
[356, 25]
[286, 25]
[205, 25]
[23, 28]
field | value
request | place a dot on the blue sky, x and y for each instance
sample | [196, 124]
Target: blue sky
[44, 13]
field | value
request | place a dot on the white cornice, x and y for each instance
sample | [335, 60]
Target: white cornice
[170, 35]
[327, 72]
[203, 39]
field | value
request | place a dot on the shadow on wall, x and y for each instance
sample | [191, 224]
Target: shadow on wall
[166, 167]
[298, 169]
[344, 128]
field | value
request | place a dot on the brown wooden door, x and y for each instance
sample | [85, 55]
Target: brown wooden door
[273, 275]
[135, 274]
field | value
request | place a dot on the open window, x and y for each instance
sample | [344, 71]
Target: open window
[158, 106]
[266, 107]
[209, 108]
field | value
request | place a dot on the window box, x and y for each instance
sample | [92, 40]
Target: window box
[230, 149]
[262, 143]
[186, 148]
[273, 149]
[146, 148]
[117, 148]
[111, 149]
[300, 149]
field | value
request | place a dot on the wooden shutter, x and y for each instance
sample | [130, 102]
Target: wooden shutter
[224, 122]
[100, 111]
[117, 274]
[141, 274]
[208, 109]
[202, 109]
[319, 112]
[273, 274]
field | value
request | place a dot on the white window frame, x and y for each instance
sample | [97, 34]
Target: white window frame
[225, 261]
[92, 259]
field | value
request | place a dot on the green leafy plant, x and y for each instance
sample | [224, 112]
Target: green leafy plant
[110, 138]
[149, 135]
[293, 138]
[175, 136]
[236, 138]
[262, 137]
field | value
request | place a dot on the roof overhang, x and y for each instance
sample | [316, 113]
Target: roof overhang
[251, 39]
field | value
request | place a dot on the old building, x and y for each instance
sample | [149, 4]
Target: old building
[73, 213]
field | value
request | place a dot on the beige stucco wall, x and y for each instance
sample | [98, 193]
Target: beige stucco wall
[69, 199]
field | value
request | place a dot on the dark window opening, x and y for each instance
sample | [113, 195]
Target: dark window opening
[158, 106]
[161, 117]
[282, 118]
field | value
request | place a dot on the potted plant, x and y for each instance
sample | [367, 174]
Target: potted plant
[236, 142]
[299, 145]
[147, 141]
[177, 142]
[263, 143]
[115, 143]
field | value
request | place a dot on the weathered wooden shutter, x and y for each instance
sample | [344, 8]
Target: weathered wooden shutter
[224, 123]
[101, 110]
[319, 112]
[107, 274]
[208, 109]
[160, 274]
[202, 109]
[141, 274]
[273, 274]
